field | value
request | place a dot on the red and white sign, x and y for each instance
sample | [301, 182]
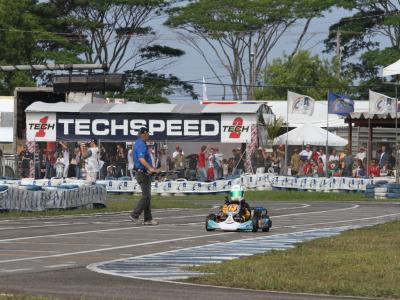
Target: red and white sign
[236, 128]
[41, 127]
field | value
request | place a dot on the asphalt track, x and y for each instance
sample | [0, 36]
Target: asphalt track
[50, 256]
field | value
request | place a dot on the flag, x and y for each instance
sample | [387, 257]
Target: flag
[381, 104]
[339, 104]
[300, 104]
[205, 98]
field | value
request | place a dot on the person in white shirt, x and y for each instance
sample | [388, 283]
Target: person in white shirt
[322, 155]
[177, 151]
[306, 153]
[361, 155]
[333, 156]
[93, 163]
[65, 152]
[130, 161]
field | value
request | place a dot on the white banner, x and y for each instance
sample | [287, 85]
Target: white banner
[41, 127]
[236, 128]
[381, 104]
[300, 104]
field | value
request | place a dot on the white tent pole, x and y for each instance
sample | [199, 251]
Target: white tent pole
[396, 145]
[369, 137]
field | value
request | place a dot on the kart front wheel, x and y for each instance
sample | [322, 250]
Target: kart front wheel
[210, 217]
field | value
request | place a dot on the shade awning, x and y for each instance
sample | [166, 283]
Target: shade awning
[310, 134]
[393, 69]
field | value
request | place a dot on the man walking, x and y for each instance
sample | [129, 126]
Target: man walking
[143, 167]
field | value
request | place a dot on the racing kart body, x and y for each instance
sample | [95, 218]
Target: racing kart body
[232, 220]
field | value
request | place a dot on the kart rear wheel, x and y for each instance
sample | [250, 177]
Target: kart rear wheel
[210, 217]
[255, 223]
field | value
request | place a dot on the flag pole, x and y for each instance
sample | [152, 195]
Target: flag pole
[396, 144]
[369, 148]
[327, 136]
[287, 132]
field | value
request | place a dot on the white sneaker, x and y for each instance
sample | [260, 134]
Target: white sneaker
[150, 222]
[134, 220]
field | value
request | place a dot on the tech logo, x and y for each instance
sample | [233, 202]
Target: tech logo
[41, 128]
[236, 129]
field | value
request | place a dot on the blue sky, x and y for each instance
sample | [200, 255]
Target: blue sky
[191, 67]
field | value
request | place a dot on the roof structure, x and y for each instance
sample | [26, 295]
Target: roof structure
[191, 108]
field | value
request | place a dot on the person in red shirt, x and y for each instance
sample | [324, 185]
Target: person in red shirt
[373, 169]
[315, 154]
[307, 168]
[201, 163]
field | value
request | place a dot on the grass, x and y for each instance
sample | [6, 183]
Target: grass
[7, 296]
[125, 202]
[362, 262]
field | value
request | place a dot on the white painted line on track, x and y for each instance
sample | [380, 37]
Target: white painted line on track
[59, 266]
[294, 207]
[113, 248]
[15, 270]
[318, 212]
[39, 251]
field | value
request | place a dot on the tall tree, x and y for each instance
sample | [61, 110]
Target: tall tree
[29, 35]
[241, 34]
[373, 34]
[119, 33]
[303, 74]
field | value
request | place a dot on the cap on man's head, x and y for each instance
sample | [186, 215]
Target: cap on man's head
[143, 130]
[93, 141]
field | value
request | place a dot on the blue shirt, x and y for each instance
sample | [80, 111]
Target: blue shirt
[140, 150]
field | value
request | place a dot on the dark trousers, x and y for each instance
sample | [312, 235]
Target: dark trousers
[144, 204]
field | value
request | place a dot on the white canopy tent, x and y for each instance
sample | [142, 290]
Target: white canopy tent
[393, 69]
[310, 134]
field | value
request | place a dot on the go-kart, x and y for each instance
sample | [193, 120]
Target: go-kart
[233, 221]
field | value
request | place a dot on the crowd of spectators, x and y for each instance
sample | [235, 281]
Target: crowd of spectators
[208, 164]
[314, 162]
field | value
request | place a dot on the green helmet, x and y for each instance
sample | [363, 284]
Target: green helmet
[237, 193]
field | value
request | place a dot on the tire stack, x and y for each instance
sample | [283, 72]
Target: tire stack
[382, 190]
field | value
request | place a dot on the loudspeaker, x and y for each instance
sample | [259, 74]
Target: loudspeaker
[89, 83]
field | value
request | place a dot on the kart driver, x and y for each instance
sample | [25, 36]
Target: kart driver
[237, 197]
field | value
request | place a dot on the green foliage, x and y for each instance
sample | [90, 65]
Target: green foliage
[274, 128]
[371, 33]
[302, 73]
[362, 262]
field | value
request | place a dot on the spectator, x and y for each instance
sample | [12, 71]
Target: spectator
[225, 168]
[38, 163]
[347, 163]
[201, 163]
[191, 167]
[65, 152]
[333, 156]
[307, 168]
[26, 158]
[315, 154]
[333, 169]
[217, 164]
[49, 164]
[60, 166]
[373, 169]
[361, 155]
[176, 152]
[130, 161]
[387, 169]
[94, 164]
[306, 153]
[180, 163]
[320, 167]
[322, 155]
[78, 163]
[239, 162]
[164, 160]
[383, 156]
[260, 161]
[295, 162]
[210, 169]
[280, 159]
[358, 168]
[120, 161]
